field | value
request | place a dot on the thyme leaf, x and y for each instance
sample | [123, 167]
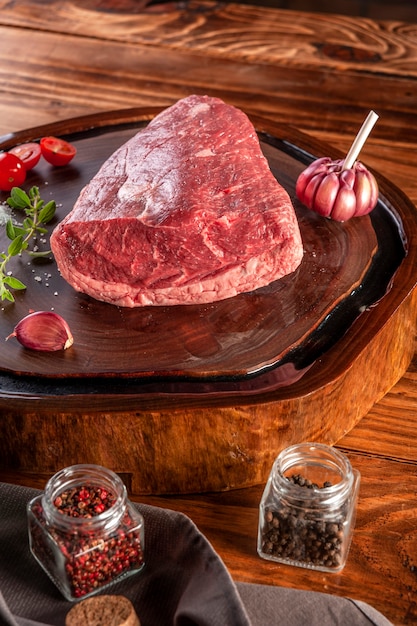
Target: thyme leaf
[37, 213]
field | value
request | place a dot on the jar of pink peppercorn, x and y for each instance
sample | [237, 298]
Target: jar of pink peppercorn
[84, 532]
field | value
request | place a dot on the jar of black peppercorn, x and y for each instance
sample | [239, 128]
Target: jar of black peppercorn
[308, 508]
[84, 531]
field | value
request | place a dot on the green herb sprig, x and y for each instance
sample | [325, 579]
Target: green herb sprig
[36, 213]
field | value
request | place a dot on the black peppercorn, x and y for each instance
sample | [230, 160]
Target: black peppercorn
[308, 507]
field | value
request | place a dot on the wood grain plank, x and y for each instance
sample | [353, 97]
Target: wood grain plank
[232, 30]
[391, 425]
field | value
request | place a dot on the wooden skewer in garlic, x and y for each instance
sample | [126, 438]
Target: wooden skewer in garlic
[360, 139]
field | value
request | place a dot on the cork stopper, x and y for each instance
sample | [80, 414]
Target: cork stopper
[107, 610]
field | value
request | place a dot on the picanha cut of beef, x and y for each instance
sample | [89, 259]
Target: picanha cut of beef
[185, 212]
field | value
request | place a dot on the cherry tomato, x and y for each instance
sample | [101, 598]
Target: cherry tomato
[12, 171]
[28, 153]
[57, 151]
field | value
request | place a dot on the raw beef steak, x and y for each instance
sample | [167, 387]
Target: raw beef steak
[185, 212]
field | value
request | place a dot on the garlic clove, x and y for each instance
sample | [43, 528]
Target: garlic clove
[311, 189]
[326, 194]
[313, 171]
[43, 330]
[366, 190]
[344, 206]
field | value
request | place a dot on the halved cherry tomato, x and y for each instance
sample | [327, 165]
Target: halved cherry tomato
[12, 171]
[57, 151]
[28, 153]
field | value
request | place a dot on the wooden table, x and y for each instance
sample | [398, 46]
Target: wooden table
[319, 73]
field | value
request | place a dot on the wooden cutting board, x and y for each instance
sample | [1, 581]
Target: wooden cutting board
[196, 398]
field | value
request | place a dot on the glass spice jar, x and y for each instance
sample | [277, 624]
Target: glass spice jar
[84, 532]
[308, 508]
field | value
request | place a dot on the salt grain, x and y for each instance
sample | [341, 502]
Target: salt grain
[5, 214]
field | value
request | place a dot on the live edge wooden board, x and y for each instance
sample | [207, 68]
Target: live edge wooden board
[194, 399]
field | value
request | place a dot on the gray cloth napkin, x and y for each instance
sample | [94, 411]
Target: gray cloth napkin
[184, 582]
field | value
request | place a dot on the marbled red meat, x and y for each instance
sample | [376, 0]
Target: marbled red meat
[185, 212]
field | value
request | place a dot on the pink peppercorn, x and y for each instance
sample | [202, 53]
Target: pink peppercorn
[85, 517]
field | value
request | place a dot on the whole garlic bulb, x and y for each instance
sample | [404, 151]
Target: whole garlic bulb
[332, 191]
